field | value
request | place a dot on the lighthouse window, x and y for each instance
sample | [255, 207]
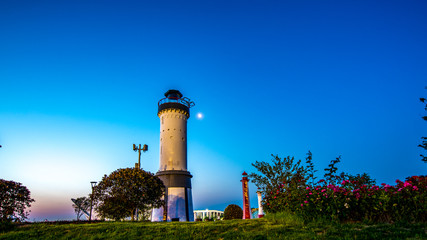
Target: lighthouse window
[162, 120]
[183, 139]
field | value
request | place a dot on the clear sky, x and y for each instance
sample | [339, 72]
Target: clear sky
[80, 82]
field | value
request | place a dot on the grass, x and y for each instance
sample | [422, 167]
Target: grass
[279, 226]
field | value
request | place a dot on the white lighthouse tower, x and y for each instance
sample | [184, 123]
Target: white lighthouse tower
[173, 111]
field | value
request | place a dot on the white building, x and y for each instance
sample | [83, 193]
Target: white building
[210, 214]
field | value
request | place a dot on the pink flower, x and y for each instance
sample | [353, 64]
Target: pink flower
[307, 188]
[302, 204]
[306, 201]
[415, 188]
[407, 184]
[310, 193]
[343, 182]
[323, 190]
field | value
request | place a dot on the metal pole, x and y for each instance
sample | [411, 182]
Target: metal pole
[91, 201]
[90, 213]
[139, 156]
[144, 149]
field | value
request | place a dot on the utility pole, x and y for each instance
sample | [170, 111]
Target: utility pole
[144, 149]
[93, 184]
[138, 165]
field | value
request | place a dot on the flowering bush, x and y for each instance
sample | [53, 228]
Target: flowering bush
[290, 186]
[350, 200]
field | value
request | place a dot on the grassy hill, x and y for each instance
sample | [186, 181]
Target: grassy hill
[267, 228]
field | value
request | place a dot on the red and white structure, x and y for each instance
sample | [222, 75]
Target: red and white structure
[260, 210]
[246, 204]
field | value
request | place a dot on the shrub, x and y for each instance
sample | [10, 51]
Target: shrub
[289, 187]
[352, 201]
[233, 211]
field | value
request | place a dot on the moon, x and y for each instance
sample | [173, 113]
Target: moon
[199, 115]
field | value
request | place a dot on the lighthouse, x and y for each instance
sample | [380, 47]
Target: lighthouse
[173, 112]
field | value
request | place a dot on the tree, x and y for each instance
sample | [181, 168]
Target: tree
[280, 172]
[81, 205]
[125, 190]
[14, 199]
[424, 142]
[233, 211]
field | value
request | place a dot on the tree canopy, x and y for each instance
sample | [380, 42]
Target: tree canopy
[14, 199]
[125, 190]
[281, 171]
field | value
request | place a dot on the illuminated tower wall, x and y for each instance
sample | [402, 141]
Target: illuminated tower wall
[174, 111]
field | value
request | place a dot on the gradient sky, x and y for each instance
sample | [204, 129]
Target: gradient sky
[80, 82]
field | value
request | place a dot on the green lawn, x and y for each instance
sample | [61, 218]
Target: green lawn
[232, 229]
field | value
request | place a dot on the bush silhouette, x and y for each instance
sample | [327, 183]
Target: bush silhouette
[233, 211]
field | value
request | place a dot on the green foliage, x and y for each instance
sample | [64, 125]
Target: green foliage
[330, 172]
[279, 227]
[14, 199]
[273, 176]
[424, 142]
[310, 167]
[280, 176]
[119, 194]
[285, 218]
[81, 204]
[233, 211]
[331, 176]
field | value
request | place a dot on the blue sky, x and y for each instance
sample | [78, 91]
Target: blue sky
[80, 81]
